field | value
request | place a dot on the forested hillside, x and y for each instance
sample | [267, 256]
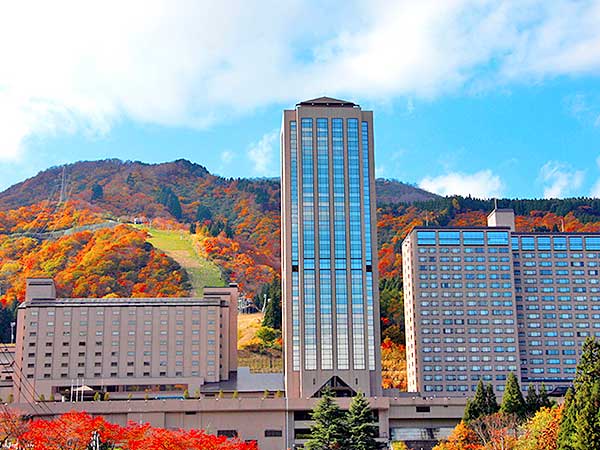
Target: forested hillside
[63, 223]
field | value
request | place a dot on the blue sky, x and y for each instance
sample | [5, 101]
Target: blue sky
[480, 97]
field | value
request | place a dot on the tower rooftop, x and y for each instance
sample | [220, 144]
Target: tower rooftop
[328, 101]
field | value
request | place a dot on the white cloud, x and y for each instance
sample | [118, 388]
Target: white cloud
[261, 153]
[595, 192]
[227, 156]
[80, 66]
[482, 184]
[560, 179]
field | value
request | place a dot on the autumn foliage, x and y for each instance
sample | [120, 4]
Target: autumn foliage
[76, 430]
[111, 261]
[503, 432]
[393, 362]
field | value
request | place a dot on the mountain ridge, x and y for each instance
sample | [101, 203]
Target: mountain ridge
[81, 176]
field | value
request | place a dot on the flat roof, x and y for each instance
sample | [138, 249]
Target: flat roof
[245, 381]
[476, 228]
[502, 210]
[124, 301]
[504, 228]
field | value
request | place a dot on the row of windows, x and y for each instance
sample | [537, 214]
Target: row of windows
[131, 323]
[470, 340]
[472, 358]
[494, 285]
[128, 363]
[472, 368]
[466, 276]
[462, 238]
[556, 255]
[581, 334]
[484, 349]
[193, 373]
[555, 242]
[465, 250]
[131, 311]
[464, 258]
[471, 294]
[194, 342]
[466, 267]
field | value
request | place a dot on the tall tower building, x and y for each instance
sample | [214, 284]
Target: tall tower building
[329, 257]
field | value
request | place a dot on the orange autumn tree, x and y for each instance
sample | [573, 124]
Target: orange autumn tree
[12, 426]
[461, 438]
[541, 431]
[72, 431]
[75, 431]
[393, 364]
[145, 437]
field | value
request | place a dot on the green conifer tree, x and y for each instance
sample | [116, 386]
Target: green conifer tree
[512, 400]
[490, 400]
[567, 423]
[580, 426]
[476, 407]
[272, 316]
[588, 369]
[360, 424]
[329, 431]
[532, 400]
[544, 401]
[587, 423]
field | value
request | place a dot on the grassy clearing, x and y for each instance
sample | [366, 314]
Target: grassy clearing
[267, 361]
[178, 245]
[248, 325]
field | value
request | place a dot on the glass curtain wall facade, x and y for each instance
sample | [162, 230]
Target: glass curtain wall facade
[328, 238]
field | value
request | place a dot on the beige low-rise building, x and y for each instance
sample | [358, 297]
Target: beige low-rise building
[126, 347]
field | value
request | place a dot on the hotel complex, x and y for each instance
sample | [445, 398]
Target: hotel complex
[480, 302]
[484, 301]
[121, 346]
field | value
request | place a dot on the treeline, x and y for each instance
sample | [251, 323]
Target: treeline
[585, 209]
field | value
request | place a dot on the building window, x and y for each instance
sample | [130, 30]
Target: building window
[273, 433]
[227, 433]
[497, 237]
[426, 237]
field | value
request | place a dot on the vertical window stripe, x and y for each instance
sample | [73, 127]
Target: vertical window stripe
[366, 192]
[341, 309]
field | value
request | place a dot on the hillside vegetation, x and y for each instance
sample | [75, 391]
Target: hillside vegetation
[179, 245]
[198, 229]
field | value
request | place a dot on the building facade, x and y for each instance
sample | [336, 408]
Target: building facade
[127, 346]
[482, 302]
[329, 258]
